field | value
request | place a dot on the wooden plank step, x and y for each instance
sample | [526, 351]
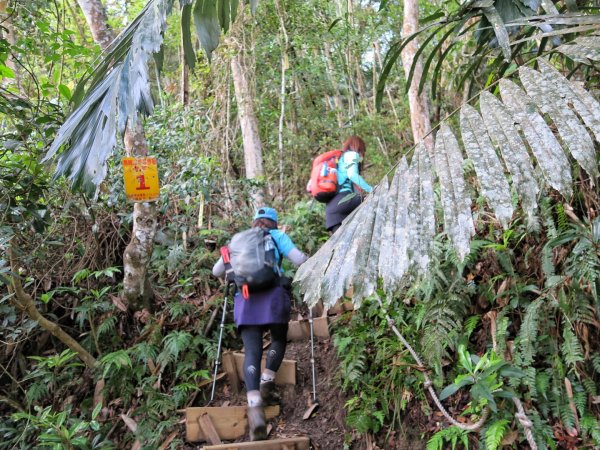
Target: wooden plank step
[229, 422]
[296, 443]
[299, 330]
[285, 375]
[340, 307]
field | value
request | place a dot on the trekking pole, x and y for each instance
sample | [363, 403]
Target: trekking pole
[221, 327]
[312, 356]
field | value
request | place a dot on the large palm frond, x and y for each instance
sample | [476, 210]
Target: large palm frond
[505, 29]
[116, 89]
[389, 236]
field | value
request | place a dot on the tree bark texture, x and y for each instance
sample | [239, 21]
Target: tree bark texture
[282, 95]
[253, 158]
[136, 285]
[418, 104]
[95, 15]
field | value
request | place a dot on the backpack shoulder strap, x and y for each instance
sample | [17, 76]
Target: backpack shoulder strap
[229, 275]
[276, 246]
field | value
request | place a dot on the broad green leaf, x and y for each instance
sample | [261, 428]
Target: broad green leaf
[489, 169]
[571, 130]
[501, 129]
[511, 372]
[584, 49]
[454, 387]
[6, 72]
[64, 91]
[186, 36]
[494, 18]
[458, 220]
[548, 151]
[481, 391]
[416, 240]
[207, 25]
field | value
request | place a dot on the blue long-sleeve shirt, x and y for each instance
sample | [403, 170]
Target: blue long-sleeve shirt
[348, 173]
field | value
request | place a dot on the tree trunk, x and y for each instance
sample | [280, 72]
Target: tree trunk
[337, 97]
[185, 79]
[418, 104]
[136, 285]
[253, 159]
[282, 95]
[95, 15]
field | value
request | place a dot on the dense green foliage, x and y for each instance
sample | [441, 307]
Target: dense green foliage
[520, 316]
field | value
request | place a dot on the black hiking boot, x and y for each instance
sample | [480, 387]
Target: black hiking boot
[270, 395]
[257, 423]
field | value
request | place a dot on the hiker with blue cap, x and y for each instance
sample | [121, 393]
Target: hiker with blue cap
[262, 302]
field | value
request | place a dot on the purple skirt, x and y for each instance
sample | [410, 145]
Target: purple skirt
[262, 308]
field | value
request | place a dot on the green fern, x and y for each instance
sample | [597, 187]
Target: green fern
[470, 325]
[590, 426]
[448, 435]
[173, 344]
[494, 434]
[571, 348]
[526, 339]
[107, 326]
[547, 219]
[561, 217]
[542, 382]
[114, 361]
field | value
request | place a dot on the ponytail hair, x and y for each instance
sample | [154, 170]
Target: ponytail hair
[355, 144]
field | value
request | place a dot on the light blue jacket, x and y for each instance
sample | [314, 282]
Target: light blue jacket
[348, 173]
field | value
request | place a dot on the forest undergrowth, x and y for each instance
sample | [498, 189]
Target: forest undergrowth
[518, 317]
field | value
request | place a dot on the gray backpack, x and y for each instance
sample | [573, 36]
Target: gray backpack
[252, 258]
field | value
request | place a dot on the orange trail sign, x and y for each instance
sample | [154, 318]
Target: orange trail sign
[141, 179]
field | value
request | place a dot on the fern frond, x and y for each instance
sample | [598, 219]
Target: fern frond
[495, 433]
[470, 325]
[571, 348]
[526, 339]
[107, 326]
[173, 344]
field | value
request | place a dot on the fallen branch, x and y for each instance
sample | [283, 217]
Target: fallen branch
[23, 301]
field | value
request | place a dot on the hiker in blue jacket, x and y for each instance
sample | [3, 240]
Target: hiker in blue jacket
[269, 309]
[349, 179]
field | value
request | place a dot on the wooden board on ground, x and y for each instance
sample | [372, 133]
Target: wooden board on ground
[340, 307]
[297, 443]
[230, 369]
[285, 375]
[208, 429]
[299, 330]
[229, 422]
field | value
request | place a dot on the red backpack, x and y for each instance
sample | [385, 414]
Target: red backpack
[323, 184]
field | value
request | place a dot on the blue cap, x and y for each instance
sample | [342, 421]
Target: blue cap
[267, 213]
